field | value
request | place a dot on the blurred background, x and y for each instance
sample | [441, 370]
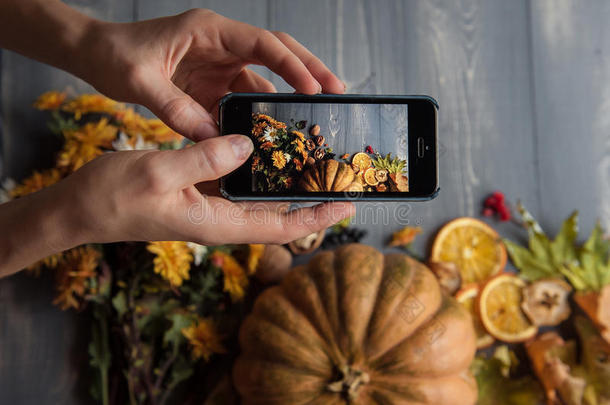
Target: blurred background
[524, 94]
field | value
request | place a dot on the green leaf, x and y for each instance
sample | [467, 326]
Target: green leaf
[173, 336]
[562, 248]
[496, 389]
[586, 267]
[119, 303]
[99, 352]
[530, 267]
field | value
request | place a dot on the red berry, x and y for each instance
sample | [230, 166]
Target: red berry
[488, 212]
[499, 196]
[369, 149]
[491, 202]
[504, 213]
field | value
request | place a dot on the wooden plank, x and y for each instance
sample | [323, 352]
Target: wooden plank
[472, 56]
[571, 65]
[43, 351]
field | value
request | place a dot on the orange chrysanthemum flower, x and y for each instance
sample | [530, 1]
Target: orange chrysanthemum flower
[74, 270]
[51, 100]
[298, 134]
[86, 143]
[203, 338]
[91, 103]
[37, 181]
[267, 145]
[279, 160]
[172, 261]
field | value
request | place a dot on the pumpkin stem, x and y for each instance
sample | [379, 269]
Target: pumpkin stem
[350, 382]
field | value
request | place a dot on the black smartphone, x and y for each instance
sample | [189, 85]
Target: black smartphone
[333, 147]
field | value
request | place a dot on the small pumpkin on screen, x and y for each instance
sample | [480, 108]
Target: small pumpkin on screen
[356, 327]
[329, 175]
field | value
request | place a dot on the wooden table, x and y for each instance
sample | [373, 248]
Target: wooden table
[524, 90]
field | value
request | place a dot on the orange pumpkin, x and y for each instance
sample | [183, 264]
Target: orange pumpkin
[329, 175]
[355, 326]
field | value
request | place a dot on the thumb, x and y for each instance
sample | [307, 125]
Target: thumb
[179, 111]
[207, 160]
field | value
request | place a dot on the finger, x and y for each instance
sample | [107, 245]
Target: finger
[178, 110]
[239, 225]
[249, 81]
[330, 83]
[255, 44]
[278, 207]
[204, 161]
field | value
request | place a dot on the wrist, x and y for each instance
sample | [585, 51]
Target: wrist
[35, 226]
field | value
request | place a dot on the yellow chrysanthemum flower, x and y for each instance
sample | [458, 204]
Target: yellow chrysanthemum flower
[86, 143]
[235, 279]
[203, 338]
[51, 100]
[89, 103]
[172, 261]
[76, 267]
[298, 134]
[37, 181]
[151, 130]
[279, 160]
[299, 146]
[255, 252]
[49, 262]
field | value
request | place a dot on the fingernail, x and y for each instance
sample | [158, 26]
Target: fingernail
[206, 130]
[319, 88]
[242, 146]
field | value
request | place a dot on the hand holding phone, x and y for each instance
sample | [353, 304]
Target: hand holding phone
[333, 147]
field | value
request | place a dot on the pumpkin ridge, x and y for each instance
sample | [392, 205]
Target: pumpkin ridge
[379, 296]
[348, 283]
[432, 315]
[379, 391]
[448, 304]
[424, 321]
[318, 319]
[281, 334]
[396, 385]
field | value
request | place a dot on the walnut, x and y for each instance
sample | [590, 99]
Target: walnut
[319, 154]
[310, 145]
[319, 140]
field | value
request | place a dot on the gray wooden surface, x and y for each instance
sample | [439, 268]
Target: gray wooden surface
[524, 90]
[349, 128]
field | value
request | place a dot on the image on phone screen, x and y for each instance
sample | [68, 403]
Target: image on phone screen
[333, 147]
[330, 147]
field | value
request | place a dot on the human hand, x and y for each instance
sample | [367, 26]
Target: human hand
[179, 67]
[151, 195]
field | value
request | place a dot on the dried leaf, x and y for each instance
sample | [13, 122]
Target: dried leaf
[405, 236]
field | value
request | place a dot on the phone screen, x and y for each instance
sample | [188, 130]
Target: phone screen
[330, 147]
[333, 147]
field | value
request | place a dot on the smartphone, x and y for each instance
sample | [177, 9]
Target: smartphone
[333, 147]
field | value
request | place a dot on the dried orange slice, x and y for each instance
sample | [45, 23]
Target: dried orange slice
[499, 307]
[467, 296]
[370, 178]
[473, 246]
[362, 160]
